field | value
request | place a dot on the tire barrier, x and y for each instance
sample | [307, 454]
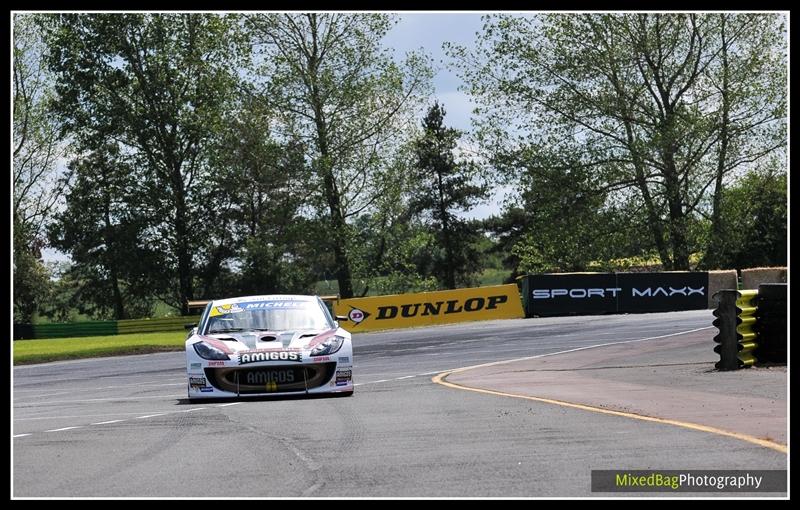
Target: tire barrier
[752, 326]
[771, 324]
[736, 320]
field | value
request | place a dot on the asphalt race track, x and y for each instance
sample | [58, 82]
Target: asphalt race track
[122, 427]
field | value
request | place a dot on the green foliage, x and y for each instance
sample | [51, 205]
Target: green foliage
[651, 110]
[335, 85]
[31, 281]
[443, 187]
[157, 85]
[755, 223]
[214, 155]
[102, 227]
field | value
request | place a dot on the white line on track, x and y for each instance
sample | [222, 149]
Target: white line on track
[17, 398]
[164, 383]
[581, 348]
[74, 416]
[44, 395]
[104, 399]
[137, 418]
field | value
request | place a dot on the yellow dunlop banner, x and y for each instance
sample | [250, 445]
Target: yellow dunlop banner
[428, 308]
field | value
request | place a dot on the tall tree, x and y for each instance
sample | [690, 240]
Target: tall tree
[636, 98]
[101, 228]
[339, 90]
[158, 85]
[750, 84]
[260, 190]
[37, 178]
[445, 187]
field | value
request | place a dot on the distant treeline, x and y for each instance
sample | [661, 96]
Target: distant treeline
[198, 155]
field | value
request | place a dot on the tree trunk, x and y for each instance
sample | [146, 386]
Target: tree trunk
[677, 218]
[185, 287]
[325, 167]
[714, 256]
[450, 273]
[119, 305]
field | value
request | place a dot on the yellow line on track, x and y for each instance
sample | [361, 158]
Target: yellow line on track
[441, 379]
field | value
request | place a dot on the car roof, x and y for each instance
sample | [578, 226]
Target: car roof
[267, 297]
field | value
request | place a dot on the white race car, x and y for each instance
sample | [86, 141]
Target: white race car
[268, 345]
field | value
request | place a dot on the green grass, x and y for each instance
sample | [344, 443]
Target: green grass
[41, 351]
[493, 277]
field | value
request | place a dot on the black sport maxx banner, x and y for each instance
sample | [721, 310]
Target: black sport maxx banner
[595, 293]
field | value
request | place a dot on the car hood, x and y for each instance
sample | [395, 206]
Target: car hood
[289, 340]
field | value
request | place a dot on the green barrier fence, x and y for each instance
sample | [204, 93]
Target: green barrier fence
[155, 325]
[102, 328]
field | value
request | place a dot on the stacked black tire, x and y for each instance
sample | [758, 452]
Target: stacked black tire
[771, 323]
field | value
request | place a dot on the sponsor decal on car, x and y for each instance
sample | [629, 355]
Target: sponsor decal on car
[225, 309]
[344, 359]
[206, 389]
[273, 304]
[269, 376]
[197, 382]
[216, 363]
[321, 358]
[196, 365]
[343, 377]
[257, 356]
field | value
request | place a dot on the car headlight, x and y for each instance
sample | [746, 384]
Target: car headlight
[329, 346]
[206, 351]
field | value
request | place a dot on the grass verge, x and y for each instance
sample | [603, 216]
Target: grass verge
[44, 350]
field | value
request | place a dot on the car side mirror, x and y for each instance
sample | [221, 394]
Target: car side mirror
[189, 325]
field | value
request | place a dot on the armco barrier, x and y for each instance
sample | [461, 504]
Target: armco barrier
[597, 293]
[736, 322]
[101, 328]
[429, 308]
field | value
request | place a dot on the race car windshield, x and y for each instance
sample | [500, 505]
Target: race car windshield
[267, 316]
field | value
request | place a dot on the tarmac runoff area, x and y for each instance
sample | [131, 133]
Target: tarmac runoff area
[669, 380]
